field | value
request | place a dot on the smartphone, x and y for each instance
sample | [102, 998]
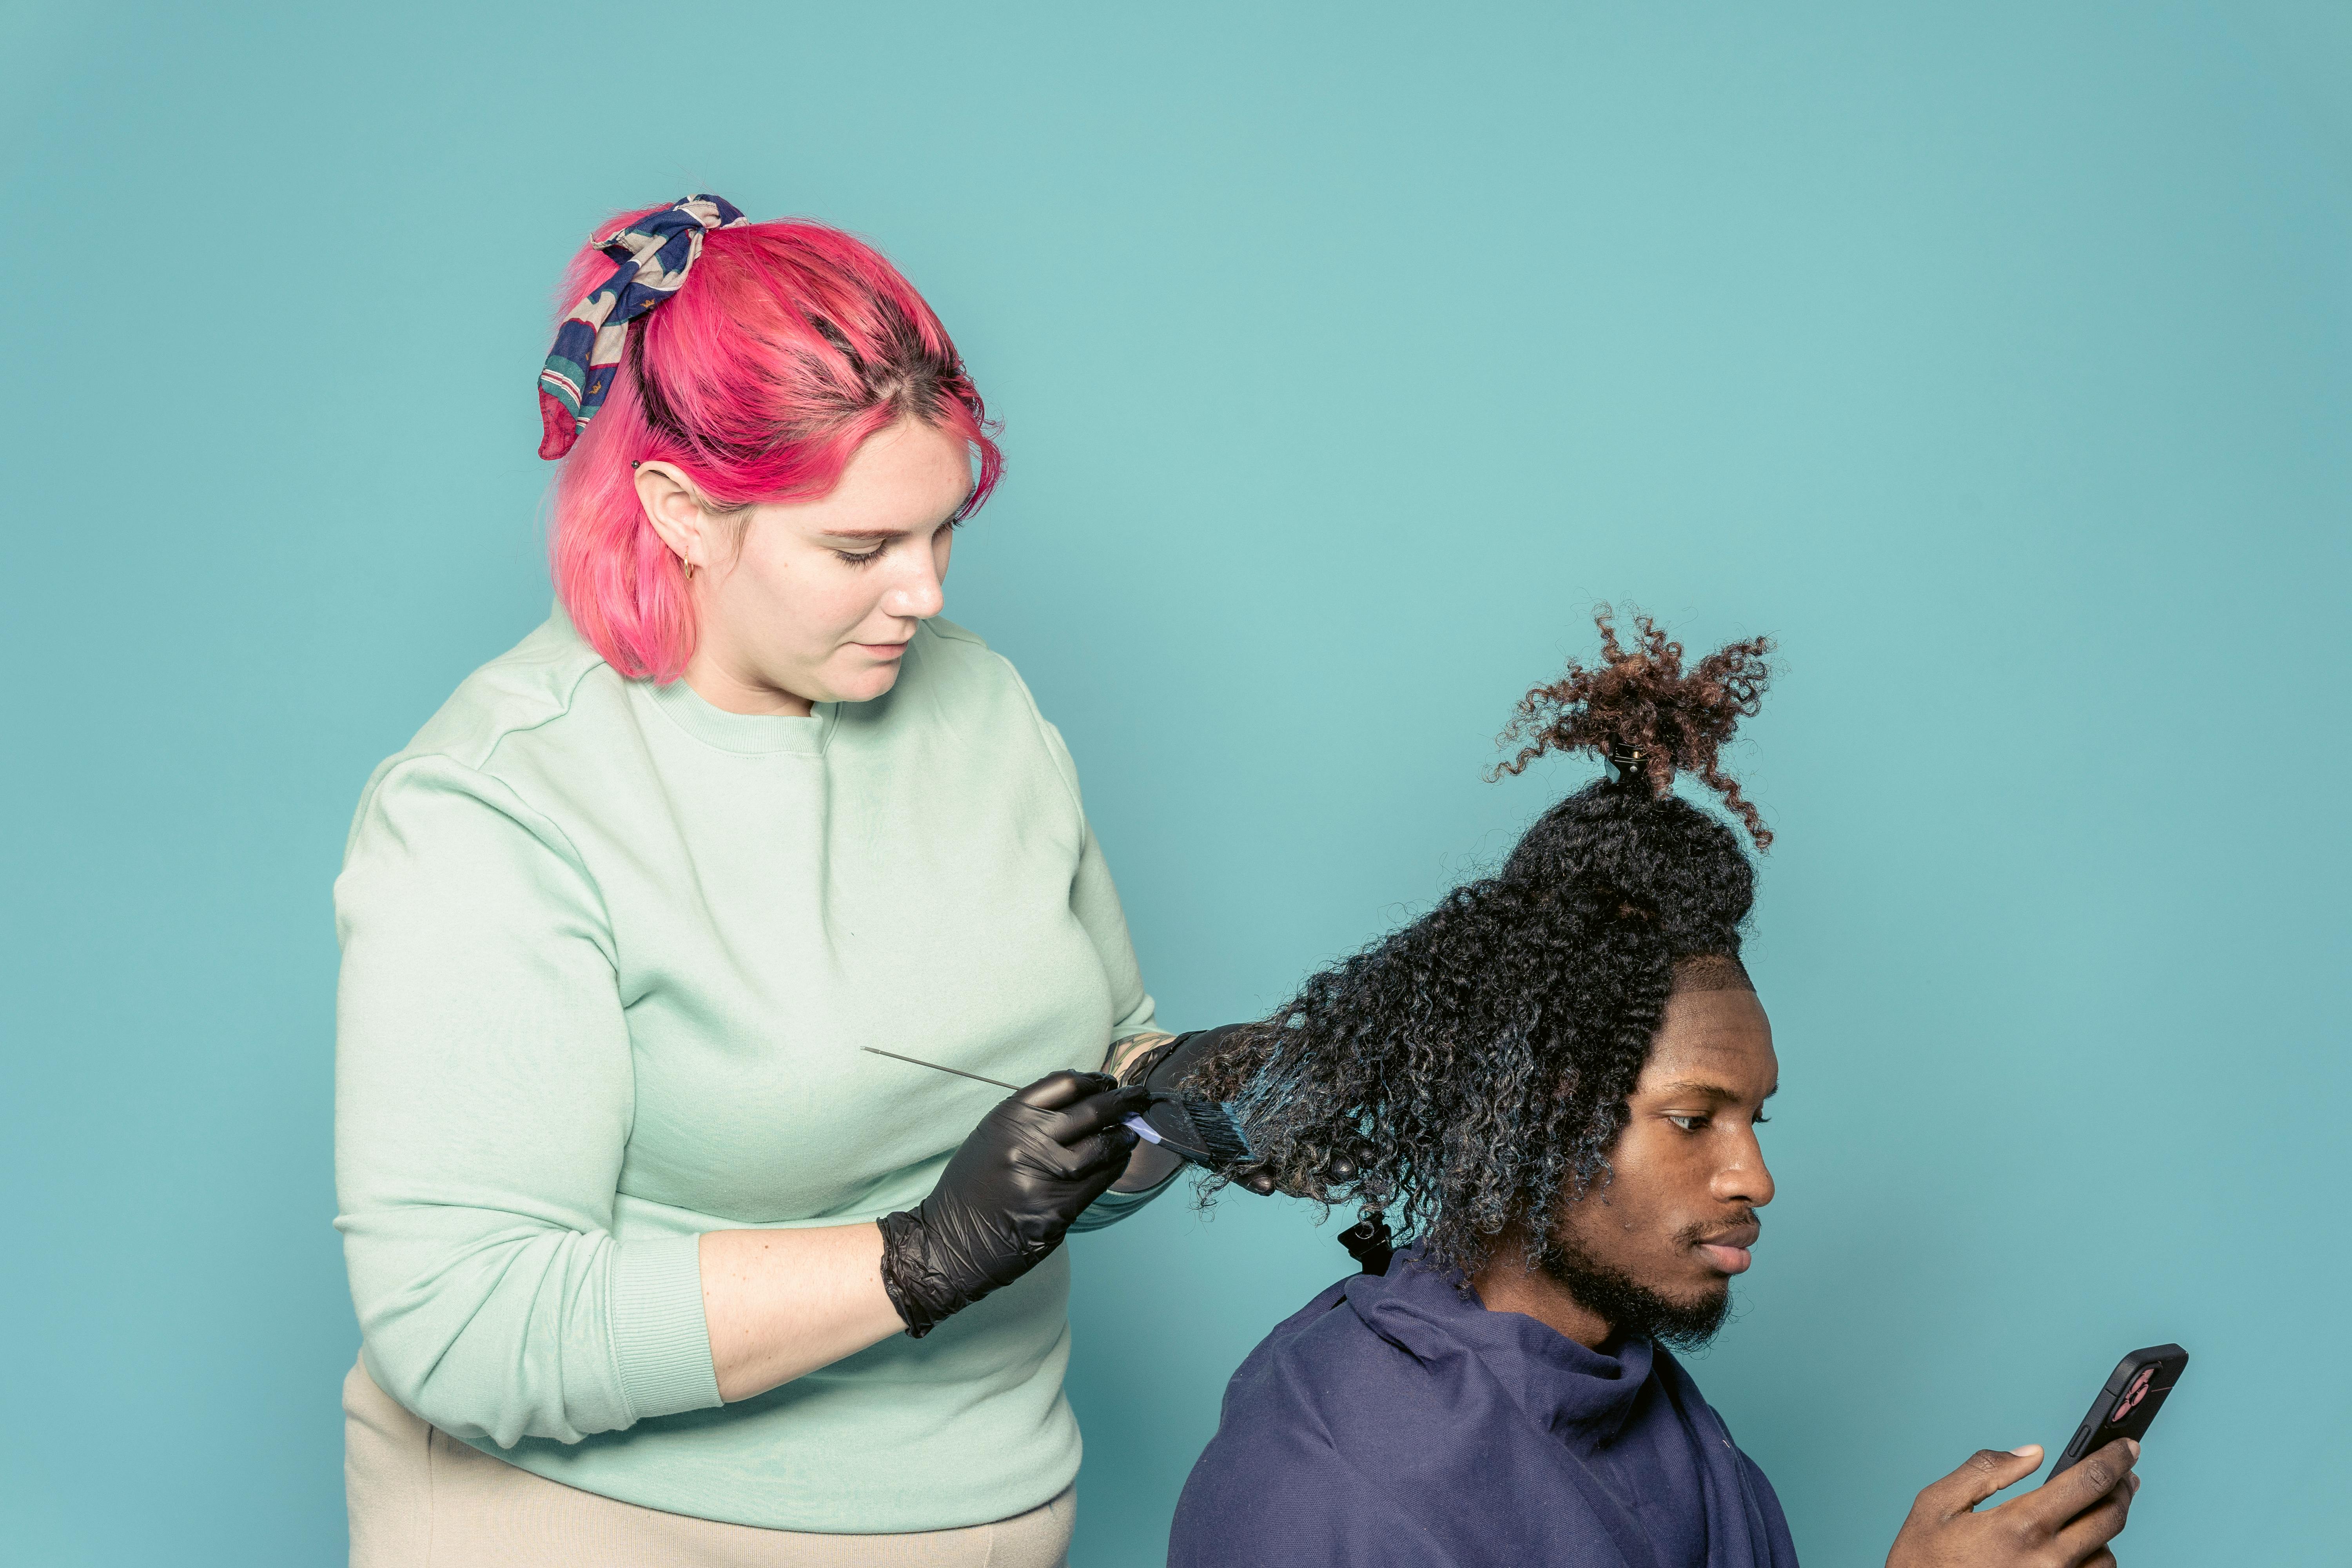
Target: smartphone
[2128, 1403]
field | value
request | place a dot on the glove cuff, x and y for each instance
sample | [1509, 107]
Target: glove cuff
[921, 1294]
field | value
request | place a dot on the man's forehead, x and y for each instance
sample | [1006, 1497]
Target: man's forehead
[1714, 1036]
[1711, 972]
[1714, 1014]
[1712, 1055]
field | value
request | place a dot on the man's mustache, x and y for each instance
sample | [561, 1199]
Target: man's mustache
[1745, 1226]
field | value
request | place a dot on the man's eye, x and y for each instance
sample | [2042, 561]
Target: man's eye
[1689, 1123]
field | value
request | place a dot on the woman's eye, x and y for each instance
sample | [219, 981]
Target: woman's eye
[1689, 1123]
[871, 555]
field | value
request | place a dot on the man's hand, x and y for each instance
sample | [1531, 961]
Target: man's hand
[2062, 1524]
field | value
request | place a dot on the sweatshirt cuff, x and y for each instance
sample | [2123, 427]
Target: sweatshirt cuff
[661, 1341]
[1112, 1207]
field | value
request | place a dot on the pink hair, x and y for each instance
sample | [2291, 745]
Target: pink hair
[789, 345]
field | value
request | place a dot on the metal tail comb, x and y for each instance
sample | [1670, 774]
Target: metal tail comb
[1189, 1126]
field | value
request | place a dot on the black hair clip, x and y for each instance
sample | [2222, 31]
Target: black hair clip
[1625, 765]
[1369, 1241]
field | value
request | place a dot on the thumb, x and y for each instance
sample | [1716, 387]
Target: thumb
[1988, 1470]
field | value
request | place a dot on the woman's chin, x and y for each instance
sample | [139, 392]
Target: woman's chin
[863, 684]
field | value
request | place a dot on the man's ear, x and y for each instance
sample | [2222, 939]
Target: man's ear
[675, 509]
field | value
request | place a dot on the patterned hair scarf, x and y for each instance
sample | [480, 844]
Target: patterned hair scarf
[655, 255]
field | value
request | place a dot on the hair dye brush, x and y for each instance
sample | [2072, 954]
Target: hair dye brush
[1191, 1126]
[1195, 1126]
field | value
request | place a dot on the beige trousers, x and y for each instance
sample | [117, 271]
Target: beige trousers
[420, 1498]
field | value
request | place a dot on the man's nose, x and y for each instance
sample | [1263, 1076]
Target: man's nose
[1747, 1180]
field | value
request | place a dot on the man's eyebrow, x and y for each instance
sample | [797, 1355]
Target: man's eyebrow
[1712, 1090]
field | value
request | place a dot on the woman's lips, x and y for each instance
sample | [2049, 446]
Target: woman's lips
[883, 649]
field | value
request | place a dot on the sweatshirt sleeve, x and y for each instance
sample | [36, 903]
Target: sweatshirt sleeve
[483, 1099]
[1094, 899]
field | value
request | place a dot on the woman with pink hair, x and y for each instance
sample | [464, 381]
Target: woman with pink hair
[653, 1259]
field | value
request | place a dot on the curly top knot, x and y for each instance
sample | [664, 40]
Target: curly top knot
[1639, 709]
[1472, 1069]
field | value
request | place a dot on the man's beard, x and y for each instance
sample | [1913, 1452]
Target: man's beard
[1628, 1306]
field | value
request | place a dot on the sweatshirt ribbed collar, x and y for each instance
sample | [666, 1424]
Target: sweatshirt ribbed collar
[747, 734]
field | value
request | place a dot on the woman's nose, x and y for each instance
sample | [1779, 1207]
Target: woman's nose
[918, 594]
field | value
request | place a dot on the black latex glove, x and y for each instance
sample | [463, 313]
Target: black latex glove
[1163, 1069]
[1008, 1196]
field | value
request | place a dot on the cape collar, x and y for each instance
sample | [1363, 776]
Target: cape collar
[1580, 1396]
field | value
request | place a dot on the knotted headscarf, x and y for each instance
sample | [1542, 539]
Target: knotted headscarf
[654, 254]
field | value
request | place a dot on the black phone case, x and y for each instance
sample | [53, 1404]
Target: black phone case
[2128, 1403]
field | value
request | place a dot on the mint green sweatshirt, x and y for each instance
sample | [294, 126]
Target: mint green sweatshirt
[609, 956]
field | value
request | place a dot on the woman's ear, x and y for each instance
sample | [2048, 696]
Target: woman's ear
[674, 509]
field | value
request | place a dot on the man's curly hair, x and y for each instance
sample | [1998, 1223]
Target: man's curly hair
[1471, 1068]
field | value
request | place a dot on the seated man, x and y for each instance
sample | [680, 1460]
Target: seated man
[1556, 1077]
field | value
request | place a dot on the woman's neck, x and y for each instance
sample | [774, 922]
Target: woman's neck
[711, 678]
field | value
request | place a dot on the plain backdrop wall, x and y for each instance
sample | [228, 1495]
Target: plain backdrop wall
[1992, 356]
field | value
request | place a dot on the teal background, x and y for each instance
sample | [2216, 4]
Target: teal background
[1993, 356]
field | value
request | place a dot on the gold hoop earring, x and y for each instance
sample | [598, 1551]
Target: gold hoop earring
[687, 564]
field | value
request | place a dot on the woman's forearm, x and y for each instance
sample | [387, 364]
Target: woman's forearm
[781, 1303]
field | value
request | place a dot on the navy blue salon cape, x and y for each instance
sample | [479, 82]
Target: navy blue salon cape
[1397, 1422]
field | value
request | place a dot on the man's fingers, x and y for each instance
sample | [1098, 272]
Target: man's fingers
[1988, 1470]
[2088, 1536]
[2056, 1501]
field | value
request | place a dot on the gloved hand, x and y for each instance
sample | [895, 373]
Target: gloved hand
[1162, 1069]
[1008, 1194]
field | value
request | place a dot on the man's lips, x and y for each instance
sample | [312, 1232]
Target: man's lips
[1729, 1250]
